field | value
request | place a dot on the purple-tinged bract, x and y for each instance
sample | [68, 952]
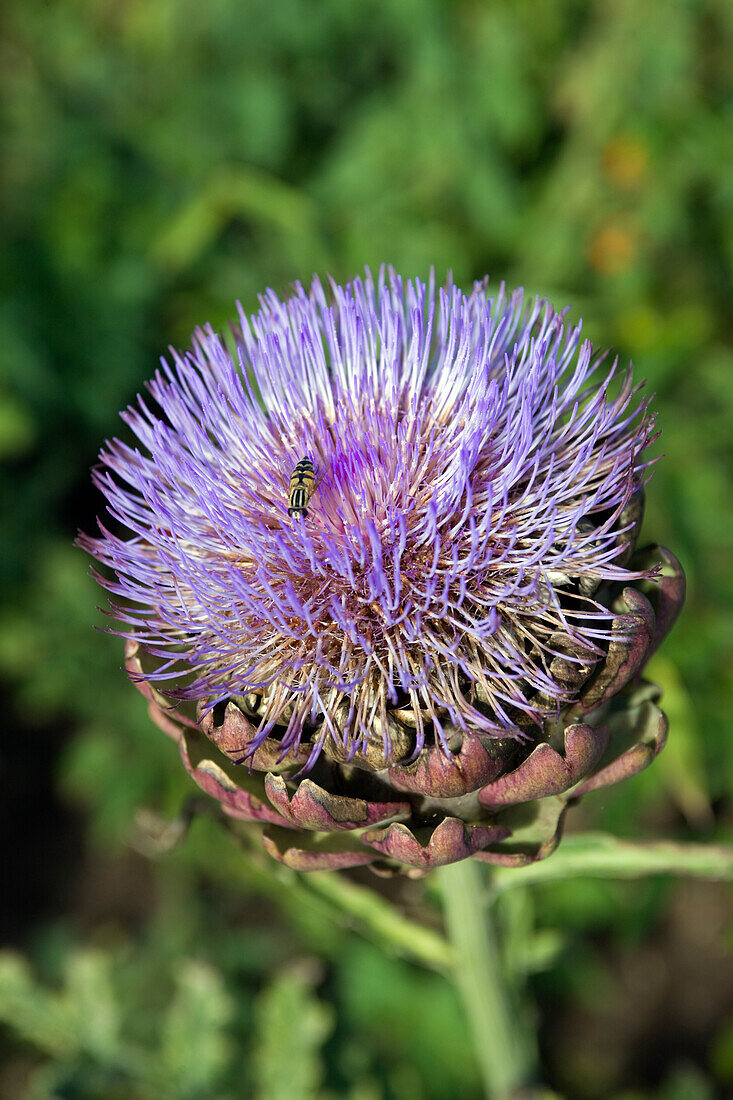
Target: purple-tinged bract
[460, 576]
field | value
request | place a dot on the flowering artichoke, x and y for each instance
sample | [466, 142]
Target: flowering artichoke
[425, 642]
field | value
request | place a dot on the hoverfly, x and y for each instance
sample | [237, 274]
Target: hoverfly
[302, 485]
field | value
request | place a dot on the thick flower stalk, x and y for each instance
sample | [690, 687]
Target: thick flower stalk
[378, 575]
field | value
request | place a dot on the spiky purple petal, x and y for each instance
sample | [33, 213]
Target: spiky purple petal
[475, 463]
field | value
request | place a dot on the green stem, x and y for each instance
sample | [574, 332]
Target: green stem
[598, 855]
[502, 1054]
[347, 904]
[402, 936]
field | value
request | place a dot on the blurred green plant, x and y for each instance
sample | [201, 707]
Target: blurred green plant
[289, 1018]
[82, 1029]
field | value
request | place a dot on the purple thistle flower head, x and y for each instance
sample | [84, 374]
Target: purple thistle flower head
[471, 472]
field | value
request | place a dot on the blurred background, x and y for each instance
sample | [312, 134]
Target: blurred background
[162, 158]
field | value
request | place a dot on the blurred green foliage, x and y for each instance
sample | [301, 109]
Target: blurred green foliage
[82, 1028]
[162, 158]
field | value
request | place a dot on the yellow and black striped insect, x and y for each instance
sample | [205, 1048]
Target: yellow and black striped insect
[302, 484]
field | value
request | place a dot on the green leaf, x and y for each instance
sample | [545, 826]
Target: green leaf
[39, 1017]
[229, 194]
[91, 997]
[194, 1046]
[291, 1026]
